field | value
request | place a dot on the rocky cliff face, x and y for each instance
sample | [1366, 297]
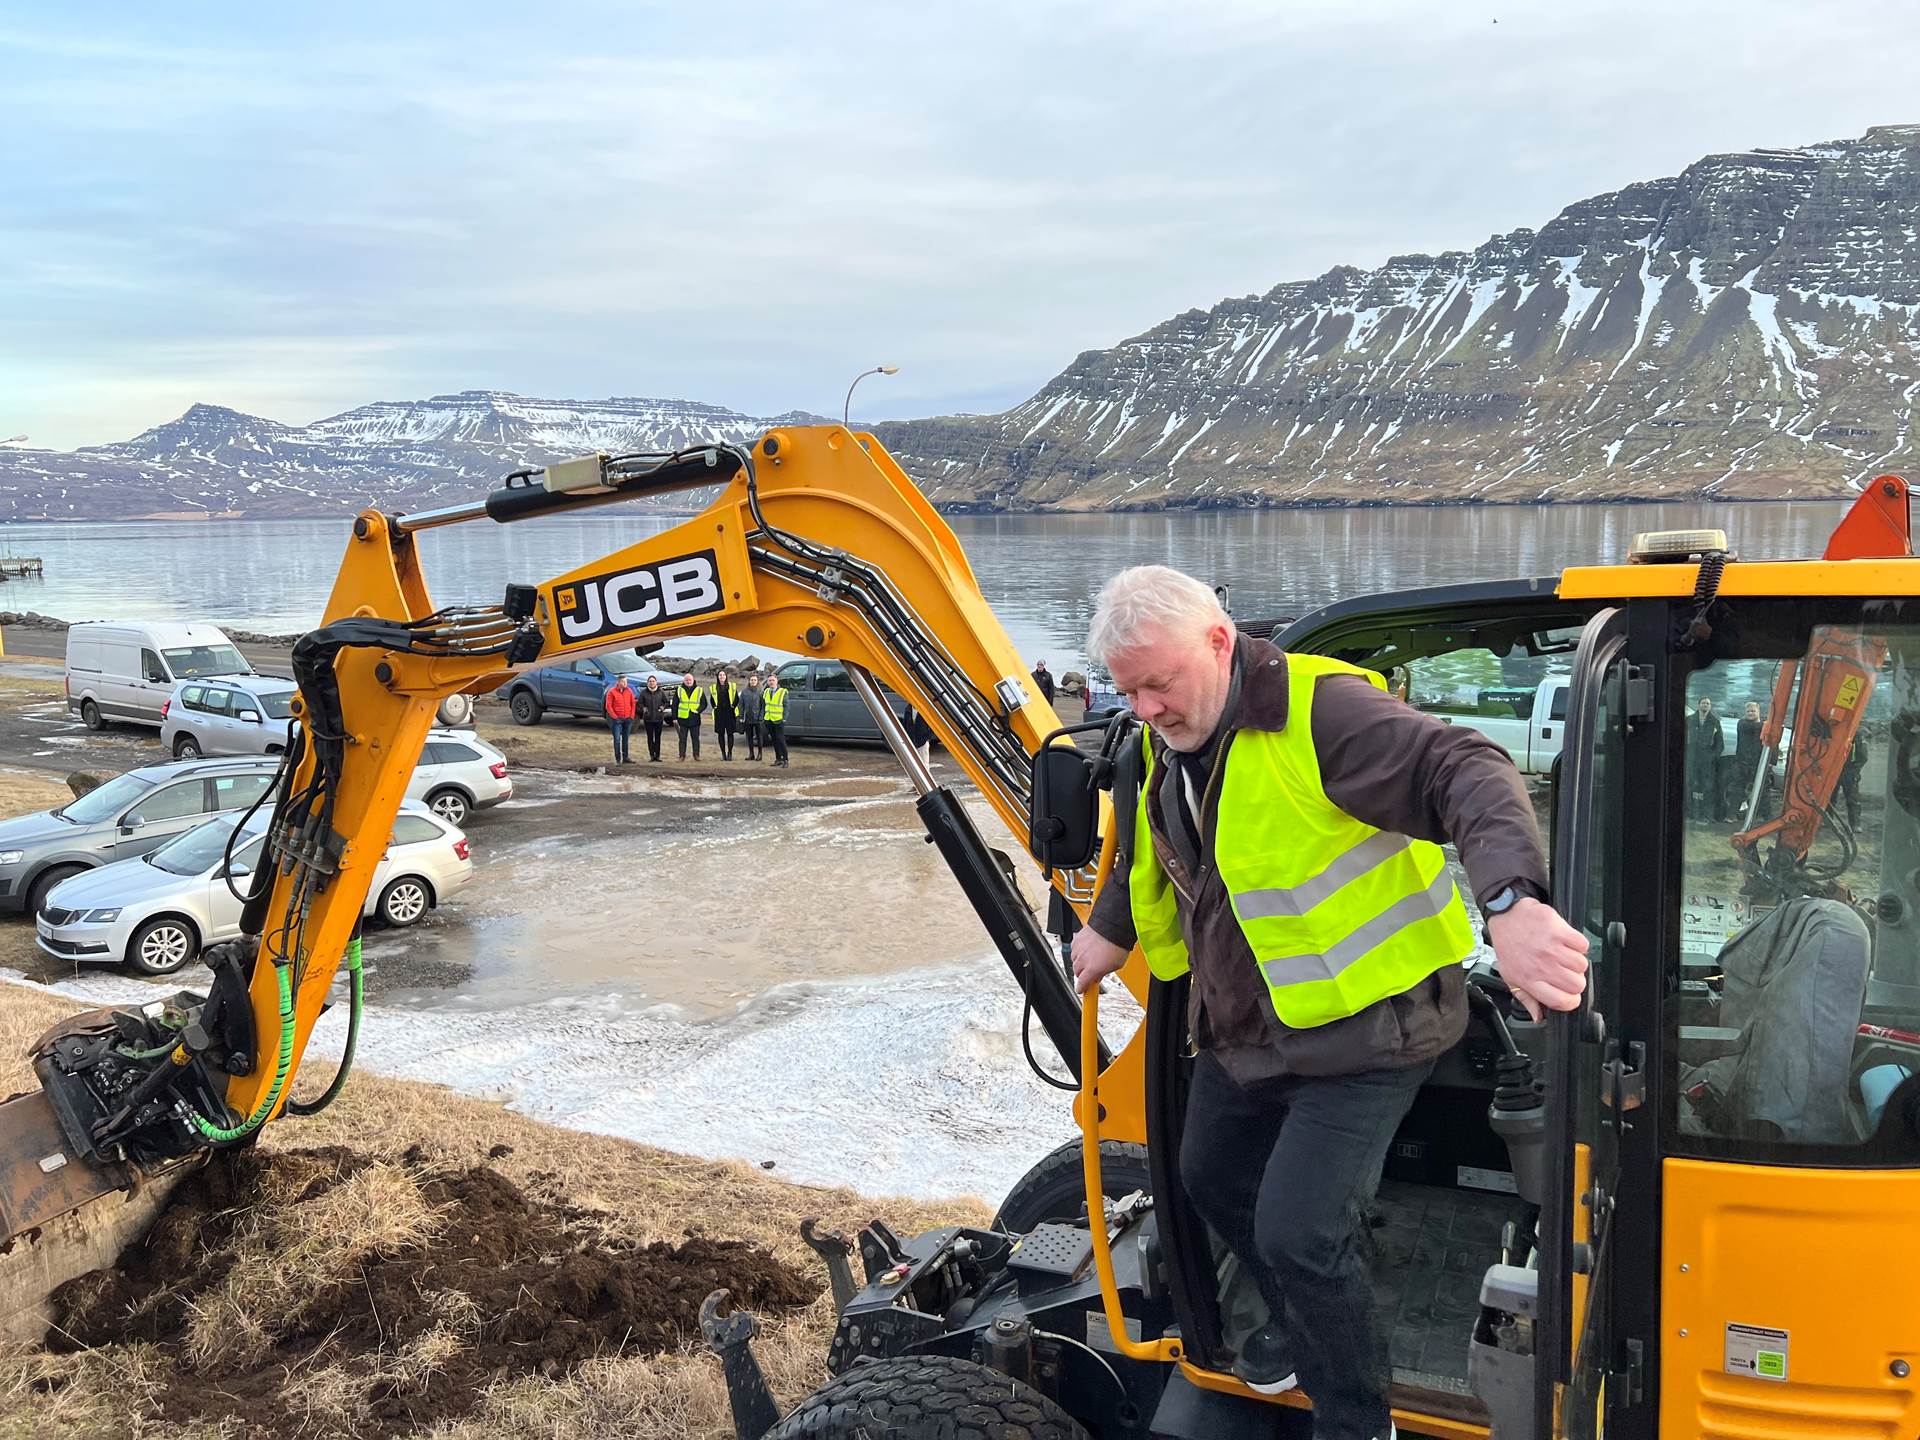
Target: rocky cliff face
[1748, 328]
[400, 455]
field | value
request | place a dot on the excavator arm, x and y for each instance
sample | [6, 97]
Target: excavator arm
[1834, 680]
[816, 543]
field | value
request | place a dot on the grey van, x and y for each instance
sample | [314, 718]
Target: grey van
[129, 815]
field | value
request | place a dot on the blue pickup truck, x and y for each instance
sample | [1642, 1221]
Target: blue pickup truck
[578, 687]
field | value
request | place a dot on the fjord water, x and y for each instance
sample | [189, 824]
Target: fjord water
[1040, 572]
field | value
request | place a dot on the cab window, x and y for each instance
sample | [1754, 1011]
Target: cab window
[794, 676]
[1795, 1015]
[172, 802]
[151, 667]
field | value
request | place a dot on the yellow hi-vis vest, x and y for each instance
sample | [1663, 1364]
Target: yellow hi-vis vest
[1339, 915]
[692, 702]
[776, 711]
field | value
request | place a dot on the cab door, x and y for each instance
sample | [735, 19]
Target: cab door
[1600, 1210]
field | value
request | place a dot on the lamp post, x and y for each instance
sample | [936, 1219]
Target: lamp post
[846, 410]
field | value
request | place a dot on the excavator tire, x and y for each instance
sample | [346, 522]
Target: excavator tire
[927, 1395]
[1055, 1189]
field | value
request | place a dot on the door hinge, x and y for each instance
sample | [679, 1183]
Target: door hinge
[1628, 1383]
[1623, 1082]
[1638, 696]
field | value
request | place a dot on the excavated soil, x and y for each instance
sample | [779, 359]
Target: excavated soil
[501, 1285]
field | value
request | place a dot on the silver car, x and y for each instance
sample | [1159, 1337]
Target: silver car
[128, 816]
[233, 715]
[158, 912]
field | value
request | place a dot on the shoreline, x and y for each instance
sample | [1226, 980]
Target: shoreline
[972, 510]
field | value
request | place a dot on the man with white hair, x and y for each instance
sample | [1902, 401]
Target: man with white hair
[1285, 851]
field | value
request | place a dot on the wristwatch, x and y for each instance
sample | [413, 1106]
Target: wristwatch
[1502, 902]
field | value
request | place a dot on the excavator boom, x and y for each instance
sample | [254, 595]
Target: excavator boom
[816, 543]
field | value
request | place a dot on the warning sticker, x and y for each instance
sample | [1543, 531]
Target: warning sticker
[1758, 1351]
[1479, 1179]
[1708, 920]
[1100, 1334]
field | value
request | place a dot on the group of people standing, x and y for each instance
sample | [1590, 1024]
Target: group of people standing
[759, 712]
[1719, 785]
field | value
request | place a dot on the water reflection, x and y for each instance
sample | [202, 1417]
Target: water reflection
[1040, 572]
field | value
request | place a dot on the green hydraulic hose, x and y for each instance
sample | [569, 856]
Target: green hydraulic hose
[222, 1134]
[356, 985]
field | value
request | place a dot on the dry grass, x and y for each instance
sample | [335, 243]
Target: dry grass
[299, 1252]
[639, 1194]
[88, 1394]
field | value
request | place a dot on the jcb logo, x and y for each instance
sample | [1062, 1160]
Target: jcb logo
[633, 599]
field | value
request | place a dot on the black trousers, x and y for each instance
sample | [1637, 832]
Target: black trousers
[777, 733]
[756, 738]
[654, 728]
[1283, 1172]
[723, 736]
[690, 727]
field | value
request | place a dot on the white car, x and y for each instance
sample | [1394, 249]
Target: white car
[159, 911]
[459, 773]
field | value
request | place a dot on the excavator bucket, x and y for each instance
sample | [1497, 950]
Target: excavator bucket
[62, 1213]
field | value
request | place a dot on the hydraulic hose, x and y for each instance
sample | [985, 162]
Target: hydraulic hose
[356, 986]
[224, 1135]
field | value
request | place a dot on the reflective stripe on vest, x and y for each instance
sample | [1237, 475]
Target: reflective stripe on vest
[776, 712]
[691, 702]
[1339, 915]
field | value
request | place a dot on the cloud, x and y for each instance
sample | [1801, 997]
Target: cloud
[749, 203]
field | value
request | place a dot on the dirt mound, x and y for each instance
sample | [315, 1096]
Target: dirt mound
[326, 1292]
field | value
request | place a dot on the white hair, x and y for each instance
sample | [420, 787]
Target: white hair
[1146, 598]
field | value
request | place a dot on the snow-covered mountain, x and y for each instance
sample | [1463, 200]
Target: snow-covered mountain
[400, 455]
[1748, 328]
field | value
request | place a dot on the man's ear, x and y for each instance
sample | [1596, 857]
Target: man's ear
[1220, 638]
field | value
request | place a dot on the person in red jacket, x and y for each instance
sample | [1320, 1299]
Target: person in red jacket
[620, 707]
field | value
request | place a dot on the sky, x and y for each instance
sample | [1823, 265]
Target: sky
[293, 210]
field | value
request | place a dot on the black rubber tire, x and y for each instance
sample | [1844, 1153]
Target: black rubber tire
[90, 716]
[139, 938]
[1056, 1189]
[525, 707]
[185, 747]
[44, 882]
[451, 804]
[405, 914]
[926, 1395]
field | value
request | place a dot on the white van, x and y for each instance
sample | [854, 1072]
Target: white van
[126, 671]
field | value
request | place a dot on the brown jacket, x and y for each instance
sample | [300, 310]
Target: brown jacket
[1387, 765]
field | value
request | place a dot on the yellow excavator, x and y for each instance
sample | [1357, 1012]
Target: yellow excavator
[1685, 1210]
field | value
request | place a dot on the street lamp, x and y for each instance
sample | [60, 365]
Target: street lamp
[846, 410]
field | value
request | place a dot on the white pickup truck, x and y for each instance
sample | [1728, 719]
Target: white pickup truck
[1528, 723]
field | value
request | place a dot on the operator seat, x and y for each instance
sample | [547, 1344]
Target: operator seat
[1794, 984]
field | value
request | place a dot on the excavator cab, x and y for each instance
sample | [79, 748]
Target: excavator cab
[1680, 1210]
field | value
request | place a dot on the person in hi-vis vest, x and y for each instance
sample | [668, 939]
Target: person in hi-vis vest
[1283, 851]
[773, 713]
[689, 703]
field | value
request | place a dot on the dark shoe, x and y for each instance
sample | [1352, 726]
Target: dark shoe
[1265, 1362]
